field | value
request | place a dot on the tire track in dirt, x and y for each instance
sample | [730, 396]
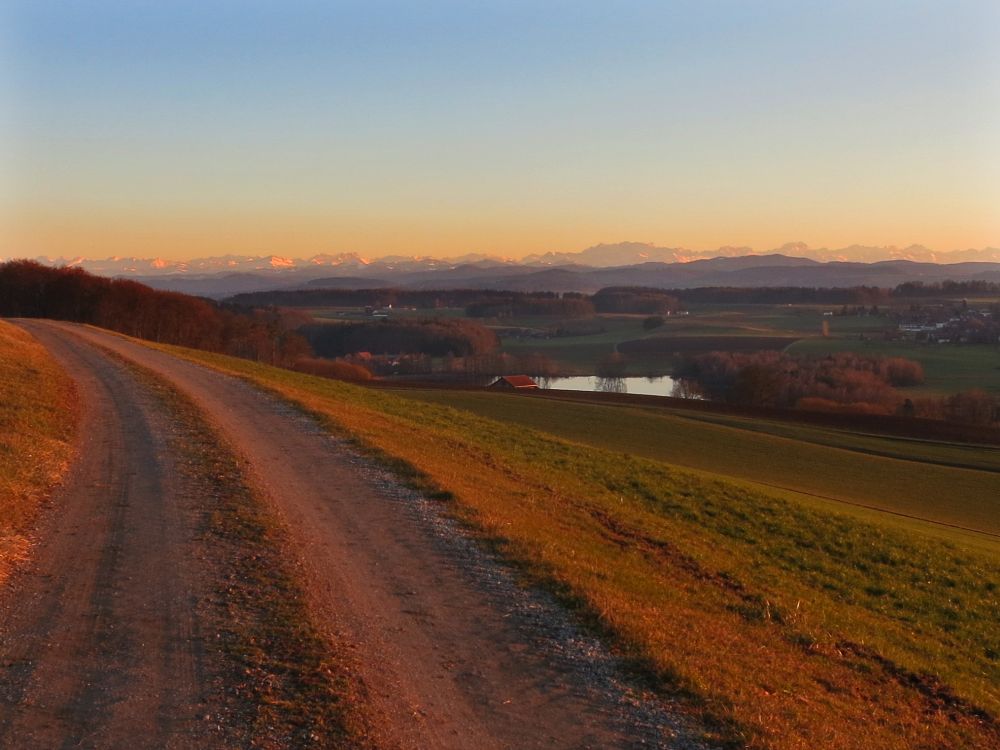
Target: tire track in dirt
[451, 653]
[100, 645]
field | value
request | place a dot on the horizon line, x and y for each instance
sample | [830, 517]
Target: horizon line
[701, 254]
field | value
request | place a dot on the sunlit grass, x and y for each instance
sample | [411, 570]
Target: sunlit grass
[37, 419]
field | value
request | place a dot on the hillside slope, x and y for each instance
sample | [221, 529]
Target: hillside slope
[788, 625]
[37, 423]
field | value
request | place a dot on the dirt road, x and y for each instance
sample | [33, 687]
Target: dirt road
[100, 644]
[453, 653]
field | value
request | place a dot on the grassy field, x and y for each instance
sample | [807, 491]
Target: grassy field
[580, 354]
[37, 420]
[782, 624]
[768, 320]
[701, 330]
[947, 483]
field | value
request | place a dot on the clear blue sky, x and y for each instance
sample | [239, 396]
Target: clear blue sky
[192, 128]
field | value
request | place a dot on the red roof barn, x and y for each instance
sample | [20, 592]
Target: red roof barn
[513, 383]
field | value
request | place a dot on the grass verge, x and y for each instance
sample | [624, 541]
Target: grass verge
[792, 626]
[38, 418]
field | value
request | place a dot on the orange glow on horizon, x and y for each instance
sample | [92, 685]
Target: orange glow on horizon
[183, 238]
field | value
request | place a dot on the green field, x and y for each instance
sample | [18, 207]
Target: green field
[943, 483]
[355, 314]
[770, 320]
[580, 354]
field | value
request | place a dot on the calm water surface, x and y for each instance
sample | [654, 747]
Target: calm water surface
[662, 386]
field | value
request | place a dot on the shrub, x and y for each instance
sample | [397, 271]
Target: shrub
[902, 372]
[331, 368]
[972, 407]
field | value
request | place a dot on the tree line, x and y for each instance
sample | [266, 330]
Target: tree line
[486, 303]
[841, 382]
[865, 296]
[948, 289]
[784, 380]
[31, 290]
[783, 295]
[636, 300]
[436, 337]
[478, 303]
[382, 297]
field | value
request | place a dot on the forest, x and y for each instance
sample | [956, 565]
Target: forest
[422, 299]
[490, 303]
[635, 300]
[947, 289]
[437, 337]
[31, 290]
[478, 303]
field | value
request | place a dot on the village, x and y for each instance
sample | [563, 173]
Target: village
[948, 324]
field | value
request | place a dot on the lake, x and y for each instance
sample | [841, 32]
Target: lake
[661, 386]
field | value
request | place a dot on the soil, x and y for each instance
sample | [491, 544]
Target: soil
[103, 650]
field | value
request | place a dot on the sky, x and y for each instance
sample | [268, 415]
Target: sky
[187, 129]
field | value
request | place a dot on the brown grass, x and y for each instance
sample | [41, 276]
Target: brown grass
[331, 368]
[38, 417]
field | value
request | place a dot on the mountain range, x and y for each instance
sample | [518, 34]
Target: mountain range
[625, 263]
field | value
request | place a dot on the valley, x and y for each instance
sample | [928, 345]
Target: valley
[398, 563]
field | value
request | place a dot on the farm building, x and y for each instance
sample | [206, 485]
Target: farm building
[513, 383]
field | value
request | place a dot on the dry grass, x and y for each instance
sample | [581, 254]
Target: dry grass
[786, 626]
[37, 421]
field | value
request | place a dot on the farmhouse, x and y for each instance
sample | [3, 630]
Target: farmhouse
[513, 383]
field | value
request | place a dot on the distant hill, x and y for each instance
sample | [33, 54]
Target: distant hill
[740, 272]
[631, 253]
[626, 263]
